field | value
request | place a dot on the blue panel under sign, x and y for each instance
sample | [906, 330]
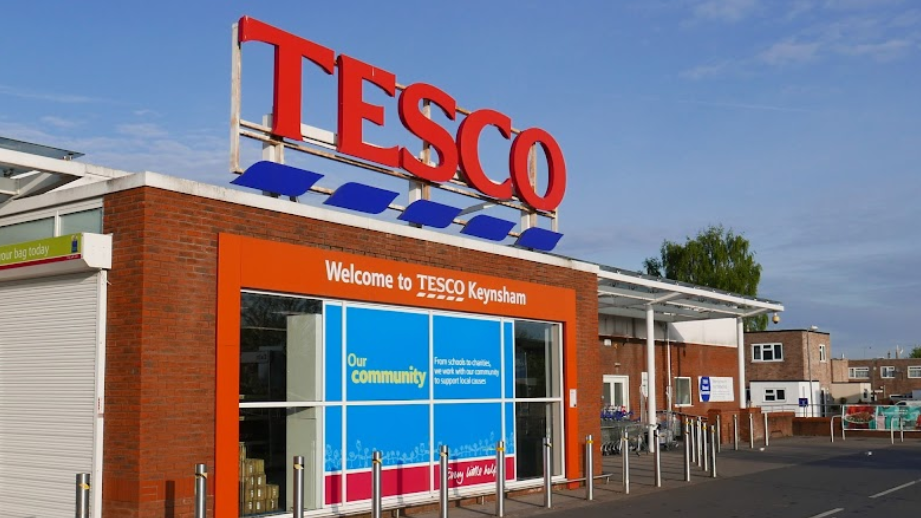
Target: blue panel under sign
[277, 178]
[488, 227]
[539, 239]
[360, 197]
[430, 213]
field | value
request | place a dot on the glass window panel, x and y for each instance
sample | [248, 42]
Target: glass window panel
[280, 335]
[778, 352]
[756, 352]
[269, 439]
[537, 357]
[607, 394]
[84, 221]
[27, 231]
[781, 395]
[682, 391]
[768, 354]
[533, 422]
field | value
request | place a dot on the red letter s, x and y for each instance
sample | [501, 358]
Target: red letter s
[429, 131]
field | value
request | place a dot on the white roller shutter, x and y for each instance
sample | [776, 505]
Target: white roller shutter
[49, 331]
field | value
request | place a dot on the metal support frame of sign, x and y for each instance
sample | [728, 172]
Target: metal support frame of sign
[322, 143]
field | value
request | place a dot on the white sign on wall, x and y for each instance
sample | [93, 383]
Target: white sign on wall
[713, 389]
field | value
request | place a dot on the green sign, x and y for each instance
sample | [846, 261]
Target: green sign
[41, 251]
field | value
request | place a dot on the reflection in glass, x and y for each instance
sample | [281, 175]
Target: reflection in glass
[280, 344]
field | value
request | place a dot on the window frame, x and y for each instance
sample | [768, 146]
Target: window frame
[887, 369]
[851, 373]
[916, 369]
[758, 351]
[823, 356]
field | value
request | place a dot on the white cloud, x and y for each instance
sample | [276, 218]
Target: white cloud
[704, 71]
[885, 51]
[859, 5]
[144, 130]
[46, 96]
[725, 10]
[59, 122]
[790, 51]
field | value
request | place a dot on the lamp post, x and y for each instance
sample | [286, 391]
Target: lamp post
[809, 363]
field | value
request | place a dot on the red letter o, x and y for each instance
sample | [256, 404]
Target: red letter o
[556, 169]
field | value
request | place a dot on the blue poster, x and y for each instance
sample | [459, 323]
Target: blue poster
[387, 355]
[469, 429]
[399, 432]
[467, 361]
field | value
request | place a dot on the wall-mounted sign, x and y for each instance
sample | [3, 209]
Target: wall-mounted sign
[42, 251]
[714, 389]
[460, 151]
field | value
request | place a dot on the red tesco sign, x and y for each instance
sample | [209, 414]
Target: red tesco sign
[461, 150]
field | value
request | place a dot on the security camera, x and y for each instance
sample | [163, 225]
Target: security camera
[776, 318]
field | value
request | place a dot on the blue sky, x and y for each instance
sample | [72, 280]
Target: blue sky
[793, 122]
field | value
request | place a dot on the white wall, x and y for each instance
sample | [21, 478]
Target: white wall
[793, 391]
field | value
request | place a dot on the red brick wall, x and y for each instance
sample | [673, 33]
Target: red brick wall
[628, 357]
[795, 365]
[160, 382]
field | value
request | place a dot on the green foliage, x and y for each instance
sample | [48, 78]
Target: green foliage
[716, 258]
[916, 352]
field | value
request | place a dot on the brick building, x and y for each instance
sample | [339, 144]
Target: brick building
[885, 376]
[207, 300]
[790, 356]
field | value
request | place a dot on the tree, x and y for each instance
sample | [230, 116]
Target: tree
[716, 258]
[916, 352]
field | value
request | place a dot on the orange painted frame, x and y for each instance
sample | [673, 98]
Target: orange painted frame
[249, 263]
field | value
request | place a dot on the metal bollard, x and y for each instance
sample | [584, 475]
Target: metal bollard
[201, 490]
[443, 494]
[548, 473]
[376, 484]
[657, 457]
[901, 431]
[589, 471]
[751, 431]
[719, 434]
[83, 495]
[700, 443]
[687, 450]
[298, 486]
[712, 453]
[706, 453]
[692, 438]
[767, 432]
[500, 478]
[735, 431]
[626, 451]
[891, 433]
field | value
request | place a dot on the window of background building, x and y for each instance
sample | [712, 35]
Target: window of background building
[767, 352]
[682, 391]
[822, 356]
[887, 372]
[858, 372]
[775, 395]
[914, 371]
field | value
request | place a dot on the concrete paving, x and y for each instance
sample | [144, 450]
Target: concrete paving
[782, 452]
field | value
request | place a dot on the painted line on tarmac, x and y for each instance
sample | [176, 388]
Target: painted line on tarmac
[828, 513]
[893, 490]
